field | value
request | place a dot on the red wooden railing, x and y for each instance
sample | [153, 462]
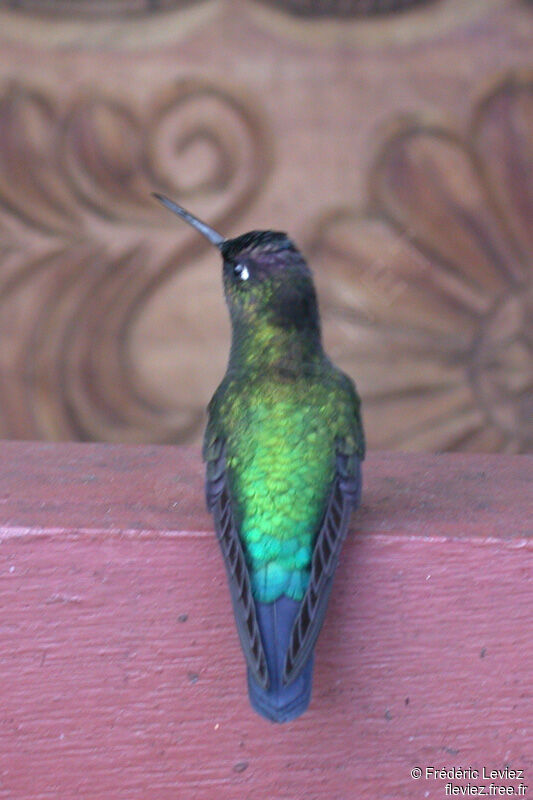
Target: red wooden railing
[120, 670]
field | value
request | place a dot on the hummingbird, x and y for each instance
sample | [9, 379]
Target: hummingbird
[283, 448]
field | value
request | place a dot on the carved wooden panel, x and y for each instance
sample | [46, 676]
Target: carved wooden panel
[396, 148]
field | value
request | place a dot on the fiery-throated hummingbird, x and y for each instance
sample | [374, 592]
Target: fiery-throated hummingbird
[283, 450]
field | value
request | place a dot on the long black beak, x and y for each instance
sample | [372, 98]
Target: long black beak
[214, 237]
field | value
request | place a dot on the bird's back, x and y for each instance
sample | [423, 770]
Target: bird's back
[280, 461]
[281, 438]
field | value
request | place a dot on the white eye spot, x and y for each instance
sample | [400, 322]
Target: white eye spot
[241, 271]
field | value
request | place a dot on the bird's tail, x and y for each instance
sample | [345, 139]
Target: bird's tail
[279, 703]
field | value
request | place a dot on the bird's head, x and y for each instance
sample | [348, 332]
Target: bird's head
[266, 279]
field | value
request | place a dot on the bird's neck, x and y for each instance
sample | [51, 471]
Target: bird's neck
[267, 348]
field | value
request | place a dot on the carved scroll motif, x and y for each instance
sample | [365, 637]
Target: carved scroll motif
[83, 247]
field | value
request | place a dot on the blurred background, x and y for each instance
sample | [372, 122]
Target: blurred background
[393, 140]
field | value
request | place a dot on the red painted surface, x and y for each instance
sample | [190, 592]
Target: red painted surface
[120, 671]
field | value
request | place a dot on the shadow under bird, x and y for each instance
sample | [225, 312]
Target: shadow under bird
[283, 450]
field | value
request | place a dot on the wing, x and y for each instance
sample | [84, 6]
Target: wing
[344, 497]
[219, 503]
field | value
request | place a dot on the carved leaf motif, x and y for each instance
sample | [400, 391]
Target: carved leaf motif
[103, 151]
[30, 185]
[84, 248]
[428, 297]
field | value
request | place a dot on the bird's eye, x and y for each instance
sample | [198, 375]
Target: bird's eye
[241, 271]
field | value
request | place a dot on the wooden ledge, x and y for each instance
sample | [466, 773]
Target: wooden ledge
[120, 670]
[74, 488]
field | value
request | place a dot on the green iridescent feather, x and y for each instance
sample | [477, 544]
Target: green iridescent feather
[280, 453]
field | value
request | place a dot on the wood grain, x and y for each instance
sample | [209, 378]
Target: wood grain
[120, 668]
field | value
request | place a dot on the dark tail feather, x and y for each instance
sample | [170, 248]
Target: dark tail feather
[278, 702]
